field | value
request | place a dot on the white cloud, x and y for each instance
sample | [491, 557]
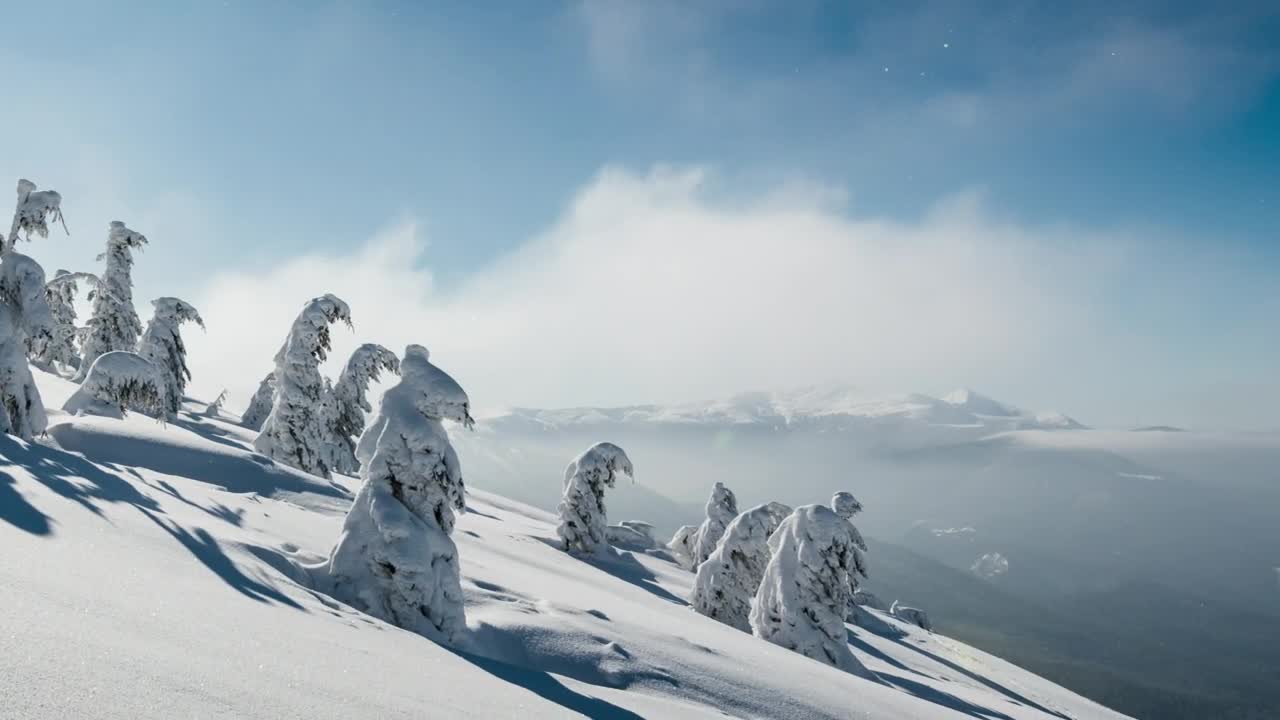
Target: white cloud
[647, 289]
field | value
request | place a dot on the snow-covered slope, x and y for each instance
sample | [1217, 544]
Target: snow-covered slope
[151, 571]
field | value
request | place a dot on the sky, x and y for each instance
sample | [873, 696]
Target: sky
[1068, 207]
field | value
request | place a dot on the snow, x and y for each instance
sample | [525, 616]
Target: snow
[583, 518]
[151, 571]
[114, 324]
[805, 593]
[117, 382]
[394, 558]
[297, 431]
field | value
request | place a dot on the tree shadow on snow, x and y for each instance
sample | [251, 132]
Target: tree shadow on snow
[206, 549]
[1012, 695]
[868, 649]
[15, 510]
[210, 432]
[625, 567]
[547, 687]
[945, 699]
[71, 476]
[238, 472]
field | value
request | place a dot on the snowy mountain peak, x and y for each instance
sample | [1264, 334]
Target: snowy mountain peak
[979, 404]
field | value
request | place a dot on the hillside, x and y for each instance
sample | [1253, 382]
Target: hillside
[152, 571]
[1077, 516]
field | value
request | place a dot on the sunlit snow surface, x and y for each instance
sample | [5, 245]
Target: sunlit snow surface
[153, 576]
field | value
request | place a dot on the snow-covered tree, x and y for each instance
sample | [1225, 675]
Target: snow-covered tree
[214, 408]
[582, 514]
[351, 402]
[22, 284]
[722, 508]
[60, 293]
[296, 432]
[33, 212]
[682, 544]
[114, 324]
[260, 404]
[803, 599]
[728, 579]
[395, 559]
[26, 323]
[117, 382]
[162, 345]
[846, 506]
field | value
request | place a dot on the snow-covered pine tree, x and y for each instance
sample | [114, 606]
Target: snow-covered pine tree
[162, 345]
[60, 293]
[728, 579]
[846, 506]
[351, 401]
[114, 324]
[34, 210]
[395, 559]
[803, 599]
[722, 508]
[582, 513]
[117, 382]
[682, 544]
[296, 432]
[260, 404]
[214, 408]
[25, 319]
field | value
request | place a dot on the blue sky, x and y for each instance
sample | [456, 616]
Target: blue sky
[243, 135]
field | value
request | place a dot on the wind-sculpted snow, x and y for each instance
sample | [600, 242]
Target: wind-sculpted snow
[804, 597]
[727, 581]
[114, 324]
[395, 559]
[297, 431]
[583, 519]
[117, 382]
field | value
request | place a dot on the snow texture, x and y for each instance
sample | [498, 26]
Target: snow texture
[118, 381]
[803, 599]
[260, 404]
[162, 346]
[60, 294]
[296, 432]
[582, 512]
[34, 210]
[728, 579]
[350, 397]
[722, 508]
[395, 559]
[114, 324]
